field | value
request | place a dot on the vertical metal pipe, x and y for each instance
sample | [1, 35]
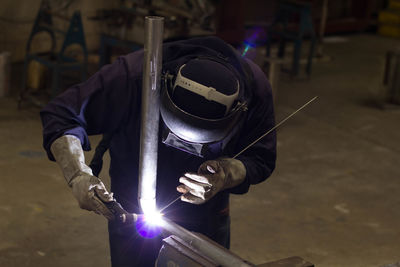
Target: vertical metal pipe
[152, 63]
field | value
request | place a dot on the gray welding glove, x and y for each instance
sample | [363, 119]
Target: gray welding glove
[212, 177]
[89, 190]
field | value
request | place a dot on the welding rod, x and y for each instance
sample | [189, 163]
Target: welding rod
[276, 126]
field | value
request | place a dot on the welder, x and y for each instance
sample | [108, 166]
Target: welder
[213, 104]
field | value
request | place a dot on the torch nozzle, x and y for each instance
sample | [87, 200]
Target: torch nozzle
[128, 218]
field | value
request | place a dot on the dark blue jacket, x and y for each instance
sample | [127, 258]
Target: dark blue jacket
[109, 102]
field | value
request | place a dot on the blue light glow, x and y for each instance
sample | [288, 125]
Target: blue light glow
[255, 37]
[245, 50]
[247, 47]
[149, 225]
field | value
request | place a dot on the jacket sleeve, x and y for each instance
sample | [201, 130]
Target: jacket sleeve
[259, 159]
[97, 106]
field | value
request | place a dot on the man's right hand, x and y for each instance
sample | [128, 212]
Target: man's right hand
[91, 194]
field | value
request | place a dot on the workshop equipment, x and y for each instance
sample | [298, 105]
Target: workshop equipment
[272, 68]
[36, 79]
[5, 73]
[57, 62]
[150, 112]
[188, 18]
[286, 28]
[389, 20]
[392, 76]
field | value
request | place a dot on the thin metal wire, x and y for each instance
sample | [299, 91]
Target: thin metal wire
[170, 203]
[258, 139]
[276, 126]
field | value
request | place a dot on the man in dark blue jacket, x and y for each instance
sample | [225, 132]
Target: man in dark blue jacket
[206, 82]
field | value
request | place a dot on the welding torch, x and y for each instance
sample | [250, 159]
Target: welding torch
[119, 213]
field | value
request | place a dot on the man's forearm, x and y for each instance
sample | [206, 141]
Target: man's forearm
[68, 152]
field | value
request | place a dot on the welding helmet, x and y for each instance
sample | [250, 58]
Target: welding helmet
[201, 106]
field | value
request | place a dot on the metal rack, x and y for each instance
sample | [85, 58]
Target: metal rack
[56, 61]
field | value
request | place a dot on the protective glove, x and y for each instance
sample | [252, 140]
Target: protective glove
[89, 190]
[212, 177]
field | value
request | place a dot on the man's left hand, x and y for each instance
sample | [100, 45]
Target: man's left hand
[212, 176]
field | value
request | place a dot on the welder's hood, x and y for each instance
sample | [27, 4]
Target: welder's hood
[200, 104]
[203, 97]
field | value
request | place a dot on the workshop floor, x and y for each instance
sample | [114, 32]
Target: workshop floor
[333, 200]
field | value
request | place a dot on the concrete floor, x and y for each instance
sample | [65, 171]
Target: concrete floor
[333, 199]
